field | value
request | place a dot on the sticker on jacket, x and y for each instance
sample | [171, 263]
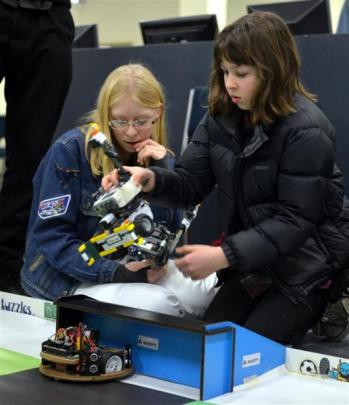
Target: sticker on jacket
[53, 207]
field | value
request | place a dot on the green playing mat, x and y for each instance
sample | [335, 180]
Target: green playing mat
[12, 362]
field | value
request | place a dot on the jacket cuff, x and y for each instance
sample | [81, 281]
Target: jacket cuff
[123, 275]
[232, 255]
[158, 182]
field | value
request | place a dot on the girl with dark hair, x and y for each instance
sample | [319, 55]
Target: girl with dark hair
[270, 153]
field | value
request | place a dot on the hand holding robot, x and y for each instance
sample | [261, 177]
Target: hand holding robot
[141, 237]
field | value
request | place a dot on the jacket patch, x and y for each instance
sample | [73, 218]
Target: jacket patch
[53, 207]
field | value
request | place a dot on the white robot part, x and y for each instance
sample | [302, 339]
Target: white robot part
[99, 138]
[127, 192]
[118, 197]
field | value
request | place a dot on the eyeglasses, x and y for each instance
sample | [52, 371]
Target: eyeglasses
[138, 123]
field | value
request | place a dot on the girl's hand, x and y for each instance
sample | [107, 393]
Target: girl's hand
[153, 273]
[141, 176]
[136, 266]
[150, 149]
[199, 261]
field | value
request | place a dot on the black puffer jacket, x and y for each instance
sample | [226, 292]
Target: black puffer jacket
[280, 193]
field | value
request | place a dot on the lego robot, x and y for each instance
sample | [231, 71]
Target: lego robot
[141, 238]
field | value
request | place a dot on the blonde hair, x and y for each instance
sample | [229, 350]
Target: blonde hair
[140, 84]
[262, 40]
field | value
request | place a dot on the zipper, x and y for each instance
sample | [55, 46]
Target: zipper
[244, 216]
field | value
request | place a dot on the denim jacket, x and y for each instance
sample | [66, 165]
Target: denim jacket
[61, 219]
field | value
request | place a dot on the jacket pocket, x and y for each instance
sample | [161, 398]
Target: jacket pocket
[87, 201]
[265, 177]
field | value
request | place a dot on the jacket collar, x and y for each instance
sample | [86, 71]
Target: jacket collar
[226, 132]
[259, 137]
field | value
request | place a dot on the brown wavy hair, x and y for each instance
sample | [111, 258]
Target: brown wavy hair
[261, 40]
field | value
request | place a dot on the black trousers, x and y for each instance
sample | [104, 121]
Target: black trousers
[36, 62]
[270, 314]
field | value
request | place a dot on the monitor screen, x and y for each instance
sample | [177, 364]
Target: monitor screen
[302, 17]
[86, 36]
[180, 29]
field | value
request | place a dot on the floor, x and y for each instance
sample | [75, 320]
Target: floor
[318, 344]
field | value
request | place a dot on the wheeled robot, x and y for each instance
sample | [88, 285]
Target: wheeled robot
[73, 354]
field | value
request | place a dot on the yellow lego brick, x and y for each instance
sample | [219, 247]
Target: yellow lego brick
[99, 237]
[108, 252]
